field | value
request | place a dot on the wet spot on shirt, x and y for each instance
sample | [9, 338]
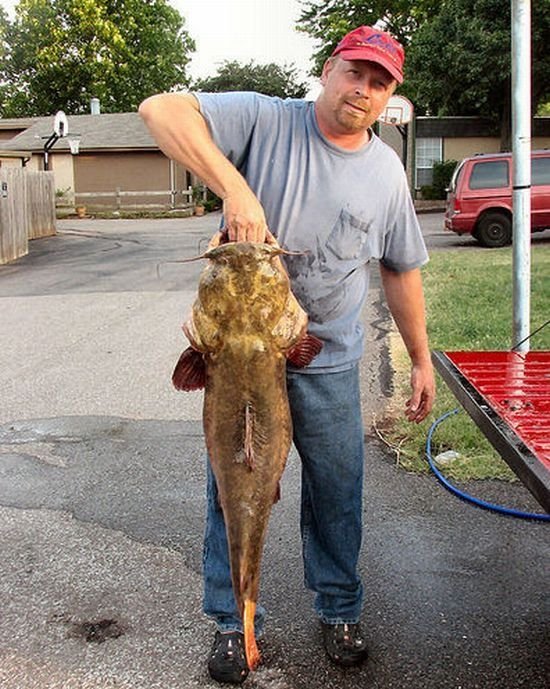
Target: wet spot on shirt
[323, 277]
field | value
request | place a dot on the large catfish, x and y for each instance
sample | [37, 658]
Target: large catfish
[245, 324]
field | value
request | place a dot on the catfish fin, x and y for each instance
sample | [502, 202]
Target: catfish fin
[190, 332]
[304, 351]
[190, 371]
[249, 435]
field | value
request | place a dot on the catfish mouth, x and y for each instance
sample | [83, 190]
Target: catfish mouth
[226, 249]
[229, 249]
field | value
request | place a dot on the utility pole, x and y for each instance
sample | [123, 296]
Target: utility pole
[521, 171]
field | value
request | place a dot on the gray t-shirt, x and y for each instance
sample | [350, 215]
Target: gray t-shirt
[343, 209]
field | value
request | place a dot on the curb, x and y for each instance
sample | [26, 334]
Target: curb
[423, 207]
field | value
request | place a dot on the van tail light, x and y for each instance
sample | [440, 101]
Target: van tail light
[457, 206]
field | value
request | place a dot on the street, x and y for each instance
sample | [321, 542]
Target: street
[437, 237]
[102, 500]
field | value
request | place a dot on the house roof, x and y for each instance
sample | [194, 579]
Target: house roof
[470, 126]
[15, 122]
[454, 127]
[118, 131]
[15, 154]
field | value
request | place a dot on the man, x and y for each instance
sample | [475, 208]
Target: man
[321, 181]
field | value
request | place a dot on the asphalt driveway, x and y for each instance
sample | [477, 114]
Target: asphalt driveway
[102, 500]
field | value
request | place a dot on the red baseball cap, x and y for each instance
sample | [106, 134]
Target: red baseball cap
[367, 43]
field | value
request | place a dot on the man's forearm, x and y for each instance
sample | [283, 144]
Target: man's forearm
[405, 298]
[175, 121]
[181, 132]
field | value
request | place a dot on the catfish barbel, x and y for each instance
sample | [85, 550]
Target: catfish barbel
[245, 325]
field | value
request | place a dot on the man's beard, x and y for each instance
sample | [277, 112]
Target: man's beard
[354, 121]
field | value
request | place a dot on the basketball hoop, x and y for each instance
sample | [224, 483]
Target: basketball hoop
[74, 145]
[398, 111]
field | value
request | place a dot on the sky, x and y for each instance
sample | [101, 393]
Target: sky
[260, 30]
[243, 30]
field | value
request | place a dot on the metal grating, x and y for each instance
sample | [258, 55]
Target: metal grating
[508, 396]
[517, 386]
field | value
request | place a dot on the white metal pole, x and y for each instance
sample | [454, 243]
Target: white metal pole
[521, 175]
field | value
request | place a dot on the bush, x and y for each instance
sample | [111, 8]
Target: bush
[428, 193]
[213, 202]
[442, 173]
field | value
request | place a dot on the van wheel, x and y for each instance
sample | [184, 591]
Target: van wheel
[494, 229]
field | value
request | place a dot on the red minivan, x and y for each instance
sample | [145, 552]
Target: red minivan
[479, 198]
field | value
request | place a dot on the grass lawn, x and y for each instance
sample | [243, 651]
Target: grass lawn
[469, 306]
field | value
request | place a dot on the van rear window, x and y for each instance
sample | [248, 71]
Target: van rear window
[540, 170]
[489, 175]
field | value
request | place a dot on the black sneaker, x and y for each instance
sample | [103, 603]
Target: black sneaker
[344, 643]
[227, 662]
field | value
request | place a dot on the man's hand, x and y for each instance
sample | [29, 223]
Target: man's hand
[423, 392]
[244, 217]
[222, 236]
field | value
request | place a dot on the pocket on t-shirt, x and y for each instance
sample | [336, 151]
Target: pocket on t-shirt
[348, 238]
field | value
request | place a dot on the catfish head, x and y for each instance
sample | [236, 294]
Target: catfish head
[245, 303]
[244, 285]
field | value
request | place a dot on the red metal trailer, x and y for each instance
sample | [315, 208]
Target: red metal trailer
[507, 394]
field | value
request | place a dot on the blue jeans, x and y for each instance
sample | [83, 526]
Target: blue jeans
[328, 434]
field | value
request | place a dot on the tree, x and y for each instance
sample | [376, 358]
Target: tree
[458, 51]
[4, 26]
[270, 79]
[60, 53]
[329, 21]
[459, 61]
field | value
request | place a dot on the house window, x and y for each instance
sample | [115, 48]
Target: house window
[428, 152]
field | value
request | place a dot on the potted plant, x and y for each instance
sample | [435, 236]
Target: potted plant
[198, 199]
[62, 196]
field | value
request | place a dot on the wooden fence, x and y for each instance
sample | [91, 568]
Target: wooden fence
[41, 204]
[135, 200]
[27, 210]
[14, 240]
